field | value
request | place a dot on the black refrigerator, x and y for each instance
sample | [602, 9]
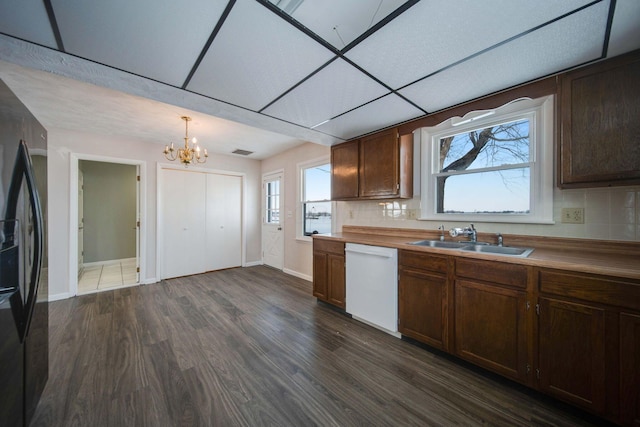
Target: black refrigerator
[24, 312]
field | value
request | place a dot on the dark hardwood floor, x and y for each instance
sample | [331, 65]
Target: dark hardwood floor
[250, 346]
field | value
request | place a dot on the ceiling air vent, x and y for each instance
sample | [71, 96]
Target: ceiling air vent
[242, 152]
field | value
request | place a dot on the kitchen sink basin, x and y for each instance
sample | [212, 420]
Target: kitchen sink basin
[499, 250]
[440, 244]
[484, 248]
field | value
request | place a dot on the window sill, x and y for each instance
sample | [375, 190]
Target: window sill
[492, 219]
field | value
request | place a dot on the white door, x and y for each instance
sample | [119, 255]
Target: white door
[272, 221]
[80, 222]
[138, 224]
[224, 221]
[183, 222]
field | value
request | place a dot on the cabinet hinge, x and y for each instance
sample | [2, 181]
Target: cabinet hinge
[528, 368]
[397, 186]
[538, 309]
[528, 307]
[538, 373]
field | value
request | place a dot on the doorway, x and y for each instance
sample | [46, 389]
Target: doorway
[108, 225]
[272, 220]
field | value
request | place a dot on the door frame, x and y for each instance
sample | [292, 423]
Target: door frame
[283, 215]
[160, 217]
[74, 159]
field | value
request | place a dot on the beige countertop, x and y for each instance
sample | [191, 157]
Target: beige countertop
[619, 259]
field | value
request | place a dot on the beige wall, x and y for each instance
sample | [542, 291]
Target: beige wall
[297, 252]
[62, 143]
[109, 210]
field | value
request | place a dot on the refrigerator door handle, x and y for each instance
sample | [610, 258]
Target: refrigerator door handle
[23, 169]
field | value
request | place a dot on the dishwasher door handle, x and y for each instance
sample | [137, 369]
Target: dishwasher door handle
[368, 253]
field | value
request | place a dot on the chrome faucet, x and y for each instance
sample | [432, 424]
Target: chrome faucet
[500, 239]
[441, 228]
[467, 231]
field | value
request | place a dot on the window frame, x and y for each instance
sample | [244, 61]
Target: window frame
[540, 112]
[300, 235]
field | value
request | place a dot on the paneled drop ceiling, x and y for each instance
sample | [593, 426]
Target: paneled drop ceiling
[320, 70]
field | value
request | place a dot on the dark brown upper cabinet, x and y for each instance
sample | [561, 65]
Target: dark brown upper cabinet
[599, 116]
[378, 166]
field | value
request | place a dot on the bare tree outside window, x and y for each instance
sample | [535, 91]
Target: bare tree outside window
[499, 152]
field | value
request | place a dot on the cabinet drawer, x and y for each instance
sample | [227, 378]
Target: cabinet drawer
[493, 272]
[604, 290]
[328, 246]
[423, 261]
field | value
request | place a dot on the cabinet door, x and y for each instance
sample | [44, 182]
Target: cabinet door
[422, 299]
[572, 352]
[344, 170]
[320, 275]
[630, 369]
[490, 327]
[336, 284]
[379, 165]
[600, 133]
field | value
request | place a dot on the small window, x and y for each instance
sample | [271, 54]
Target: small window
[316, 199]
[494, 166]
[272, 202]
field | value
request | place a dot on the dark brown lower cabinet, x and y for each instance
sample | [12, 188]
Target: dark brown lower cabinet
[490, 327]
[329, 272]
[422, 304]
[571, 352]
[630, 369]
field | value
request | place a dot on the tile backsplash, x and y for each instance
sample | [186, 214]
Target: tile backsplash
[609, 214]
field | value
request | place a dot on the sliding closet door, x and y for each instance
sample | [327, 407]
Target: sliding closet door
[183, 221]
[224, 221]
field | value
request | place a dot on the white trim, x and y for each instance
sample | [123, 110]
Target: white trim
[160, 219]
[298, 274]
[74, 158]
[60, 296]
[541, 161]
[253, 263]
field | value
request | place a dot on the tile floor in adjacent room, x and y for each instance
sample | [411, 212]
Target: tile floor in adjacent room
[107, 275]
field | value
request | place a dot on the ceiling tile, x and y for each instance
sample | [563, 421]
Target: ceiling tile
[161, 42]
[569, 42]
[27, 20]
[255, 57]
[625, 31]
[335, 89]
[383, 112]
[338, 22]
[433, 34]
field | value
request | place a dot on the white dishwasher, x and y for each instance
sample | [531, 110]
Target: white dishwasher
[372, 286]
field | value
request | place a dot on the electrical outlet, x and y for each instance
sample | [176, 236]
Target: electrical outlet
[350, 214]
[411, 213]
[573, 215]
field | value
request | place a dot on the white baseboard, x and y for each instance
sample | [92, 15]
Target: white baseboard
[253, 263]
[58, 297]
[149, 281]
[297, 274]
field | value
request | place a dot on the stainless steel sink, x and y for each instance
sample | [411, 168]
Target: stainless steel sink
[484, 248]
[499, 250]
[440, 244]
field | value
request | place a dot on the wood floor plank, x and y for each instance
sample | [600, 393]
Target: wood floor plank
[251, 347]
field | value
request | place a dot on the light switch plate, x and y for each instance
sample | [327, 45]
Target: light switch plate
[573, 215]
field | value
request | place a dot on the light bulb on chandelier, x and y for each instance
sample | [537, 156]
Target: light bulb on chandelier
[187, 155]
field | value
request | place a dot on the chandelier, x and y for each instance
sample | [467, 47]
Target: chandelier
[188, 154]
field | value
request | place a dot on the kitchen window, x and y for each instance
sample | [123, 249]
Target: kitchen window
[315, 185]
[492, 166]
